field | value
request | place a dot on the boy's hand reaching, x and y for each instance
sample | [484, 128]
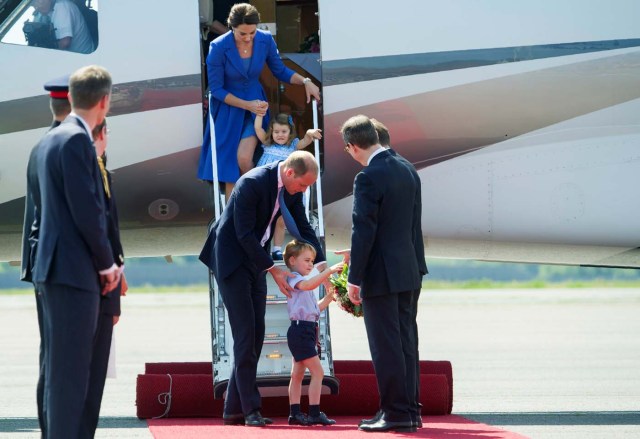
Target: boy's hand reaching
[337, 267]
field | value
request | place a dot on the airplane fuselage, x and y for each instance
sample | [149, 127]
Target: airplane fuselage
[523, 120]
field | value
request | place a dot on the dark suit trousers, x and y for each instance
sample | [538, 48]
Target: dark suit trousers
[99, 365]
[71, 318]
[390, 331]
[40, 388]
[244, 294]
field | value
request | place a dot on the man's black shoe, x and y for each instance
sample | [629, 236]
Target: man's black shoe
[254, 419]
[320, 419]
[383, 425]
[233, 419]
[373, 420]
[298, 419]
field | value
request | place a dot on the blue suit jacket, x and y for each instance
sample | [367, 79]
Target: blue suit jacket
[235, 238]
[29, 229]
[227, 74]
[72, 244]
[387, 251]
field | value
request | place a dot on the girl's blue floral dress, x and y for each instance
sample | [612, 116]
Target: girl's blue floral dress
[275, 152]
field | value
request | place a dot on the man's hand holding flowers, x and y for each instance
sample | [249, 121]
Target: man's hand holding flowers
[347, 295]
[354, 294]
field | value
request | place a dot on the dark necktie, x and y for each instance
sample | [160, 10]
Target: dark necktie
[289, 223]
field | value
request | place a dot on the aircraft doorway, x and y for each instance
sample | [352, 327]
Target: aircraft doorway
[298, 40]
[295, 26]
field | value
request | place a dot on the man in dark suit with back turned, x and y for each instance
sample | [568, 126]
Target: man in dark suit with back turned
[74, 261]
[237, 251]
[387, 265]
[60, 108]
[110, 303]
[385, 141]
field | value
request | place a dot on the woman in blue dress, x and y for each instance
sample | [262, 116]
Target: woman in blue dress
[277, 143]
[234, 64]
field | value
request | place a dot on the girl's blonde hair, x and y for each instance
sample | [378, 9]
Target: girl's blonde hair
[295, 248]
[281, 119]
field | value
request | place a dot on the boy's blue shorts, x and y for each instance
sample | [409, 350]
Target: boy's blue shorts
[302, 338]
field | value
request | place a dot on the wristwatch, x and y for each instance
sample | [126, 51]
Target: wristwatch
[305, 80]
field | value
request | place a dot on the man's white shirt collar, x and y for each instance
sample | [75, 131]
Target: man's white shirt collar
[375, 153]
[85, 124]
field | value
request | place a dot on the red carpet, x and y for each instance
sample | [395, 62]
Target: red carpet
[435, 427]
[192, 391]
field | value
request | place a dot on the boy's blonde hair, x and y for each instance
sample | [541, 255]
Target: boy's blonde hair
[294, 248]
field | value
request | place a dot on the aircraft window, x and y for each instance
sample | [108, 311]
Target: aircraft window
[70, 25]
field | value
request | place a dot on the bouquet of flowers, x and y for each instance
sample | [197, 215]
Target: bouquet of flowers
[342, 296]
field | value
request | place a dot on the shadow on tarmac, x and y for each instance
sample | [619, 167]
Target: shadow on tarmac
[25, 425]
[556, 418]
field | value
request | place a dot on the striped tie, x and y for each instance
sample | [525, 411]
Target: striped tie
[289, 222]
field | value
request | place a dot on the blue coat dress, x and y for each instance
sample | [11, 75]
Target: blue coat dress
[227, 74]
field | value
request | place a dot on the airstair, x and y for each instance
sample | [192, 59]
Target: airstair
[274, 365]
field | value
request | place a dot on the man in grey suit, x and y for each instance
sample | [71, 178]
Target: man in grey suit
[387, 265]
[60, 108]
[74, 261]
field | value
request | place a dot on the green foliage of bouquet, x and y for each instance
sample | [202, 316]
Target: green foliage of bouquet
[342, 295]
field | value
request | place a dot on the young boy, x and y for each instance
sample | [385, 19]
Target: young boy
[302, 336]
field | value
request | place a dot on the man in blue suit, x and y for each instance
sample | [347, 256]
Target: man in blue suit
[237, 251]
[387, 265]
[74, 261]
[60, 108]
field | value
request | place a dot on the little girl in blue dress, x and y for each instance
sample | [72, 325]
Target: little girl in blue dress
[277, 143]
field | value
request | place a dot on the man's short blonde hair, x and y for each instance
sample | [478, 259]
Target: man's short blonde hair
[88, 85]
[383, 133]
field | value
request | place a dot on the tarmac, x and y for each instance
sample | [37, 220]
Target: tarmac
[545, 363]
